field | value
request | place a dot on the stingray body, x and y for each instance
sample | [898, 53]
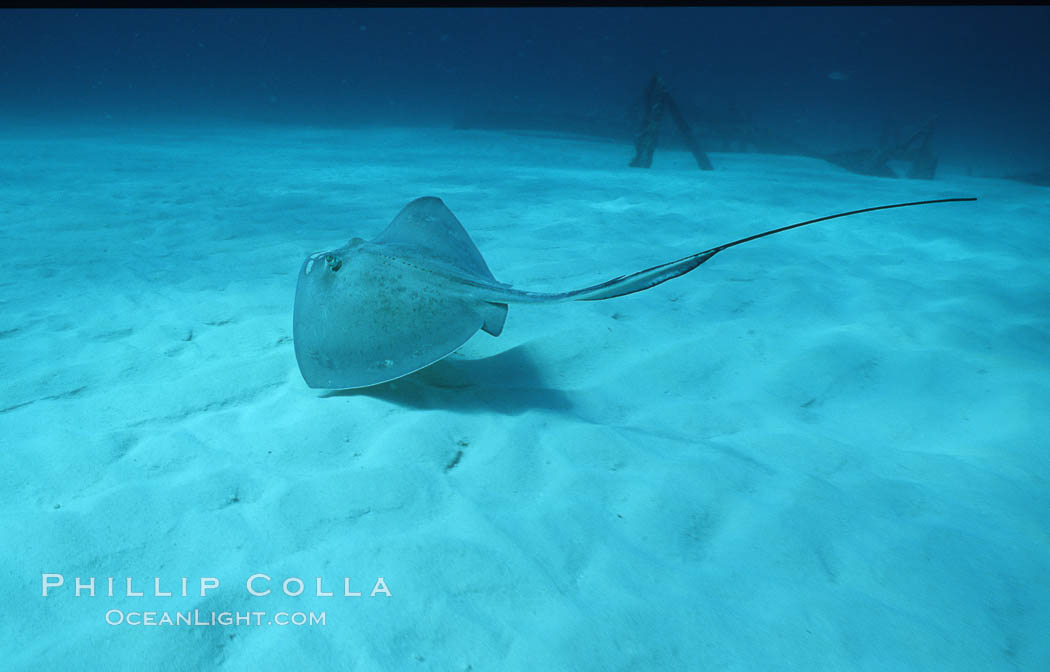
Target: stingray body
[376, 310]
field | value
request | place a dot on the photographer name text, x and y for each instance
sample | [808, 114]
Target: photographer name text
[257, 585]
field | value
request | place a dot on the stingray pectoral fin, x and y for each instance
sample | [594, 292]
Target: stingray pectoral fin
[495, 315]
[362, 318]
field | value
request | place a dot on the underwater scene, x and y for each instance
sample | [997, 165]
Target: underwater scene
[525, 338]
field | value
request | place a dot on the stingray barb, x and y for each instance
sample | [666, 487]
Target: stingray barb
[376, 310]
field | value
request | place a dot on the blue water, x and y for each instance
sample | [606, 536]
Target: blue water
[982, 70]
[823, 450]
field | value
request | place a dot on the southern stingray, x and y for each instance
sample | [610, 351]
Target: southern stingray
[376, 310]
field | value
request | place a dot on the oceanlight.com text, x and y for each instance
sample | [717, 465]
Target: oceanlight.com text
[198, 618]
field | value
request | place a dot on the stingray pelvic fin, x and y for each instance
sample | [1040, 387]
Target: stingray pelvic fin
[495, 315]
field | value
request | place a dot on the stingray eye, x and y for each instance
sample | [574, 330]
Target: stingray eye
[334, 263]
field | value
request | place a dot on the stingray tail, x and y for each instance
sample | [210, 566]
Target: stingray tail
[642, 280]
[651, 277]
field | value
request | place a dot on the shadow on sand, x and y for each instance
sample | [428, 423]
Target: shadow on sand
[508, 383]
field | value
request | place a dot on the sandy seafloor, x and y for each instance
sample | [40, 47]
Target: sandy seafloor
[822, 450]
